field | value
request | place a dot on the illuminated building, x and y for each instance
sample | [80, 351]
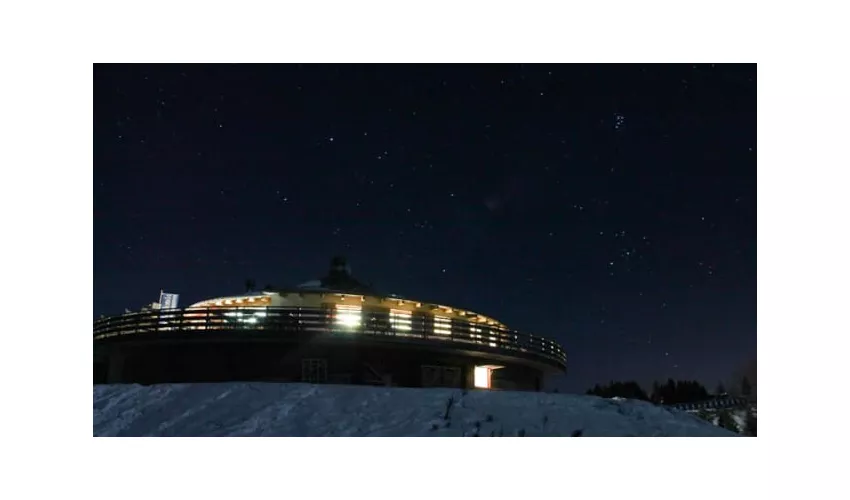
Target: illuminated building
[333, 330]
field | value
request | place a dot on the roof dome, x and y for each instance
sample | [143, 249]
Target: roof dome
[338, 279]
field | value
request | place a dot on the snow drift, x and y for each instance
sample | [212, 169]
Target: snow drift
[273, 409]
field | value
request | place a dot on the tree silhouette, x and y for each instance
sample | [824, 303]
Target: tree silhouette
[720, 389]
[629, 390]
[655, 396]
[750, 423]
[672, 392]
[746, 389]
[726, 421]
[681, 391]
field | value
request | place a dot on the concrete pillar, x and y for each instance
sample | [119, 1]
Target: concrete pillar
[115, 370]
[469, 376]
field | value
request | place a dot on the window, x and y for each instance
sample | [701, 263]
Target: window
[442, 325]
[441, 376]
[347, 316]
[400, 320]
[483, 376]
[314, 371]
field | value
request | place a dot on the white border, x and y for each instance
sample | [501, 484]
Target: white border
[47, 193]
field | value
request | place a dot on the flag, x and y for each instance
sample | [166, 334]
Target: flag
[168, 300]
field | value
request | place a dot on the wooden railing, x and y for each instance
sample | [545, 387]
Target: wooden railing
[369, 321]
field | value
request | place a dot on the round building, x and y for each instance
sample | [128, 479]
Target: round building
[332, 330]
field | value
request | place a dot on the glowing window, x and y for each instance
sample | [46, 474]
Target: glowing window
[400, 320]
[475, 333]
[347, 316]
[442, 325]
[482, 377]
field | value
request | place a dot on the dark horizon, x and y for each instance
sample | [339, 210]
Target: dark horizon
[609, 207]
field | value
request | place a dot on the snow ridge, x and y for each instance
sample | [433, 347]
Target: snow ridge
[276, 409]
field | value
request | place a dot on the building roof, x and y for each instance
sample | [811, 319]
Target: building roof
[339, 279]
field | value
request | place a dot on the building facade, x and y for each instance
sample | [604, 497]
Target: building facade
[332, 330]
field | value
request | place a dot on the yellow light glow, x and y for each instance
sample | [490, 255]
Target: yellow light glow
[400, 320]
[348, 316]
[442, 325]
[483, 376]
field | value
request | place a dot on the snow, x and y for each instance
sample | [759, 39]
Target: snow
[739, 415]
[279, 409]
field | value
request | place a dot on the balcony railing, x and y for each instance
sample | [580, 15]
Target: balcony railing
[365, 321]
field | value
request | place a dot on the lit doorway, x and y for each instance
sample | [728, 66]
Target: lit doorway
[483, 376]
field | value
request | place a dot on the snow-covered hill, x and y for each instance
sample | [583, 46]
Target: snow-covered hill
[268, 409]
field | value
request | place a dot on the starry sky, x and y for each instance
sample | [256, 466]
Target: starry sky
[610, 207]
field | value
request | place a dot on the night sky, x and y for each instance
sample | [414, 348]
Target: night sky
[612, 208]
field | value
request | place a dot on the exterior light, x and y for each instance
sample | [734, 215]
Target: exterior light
[401, 320]
[442, 325]
[347, 316]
